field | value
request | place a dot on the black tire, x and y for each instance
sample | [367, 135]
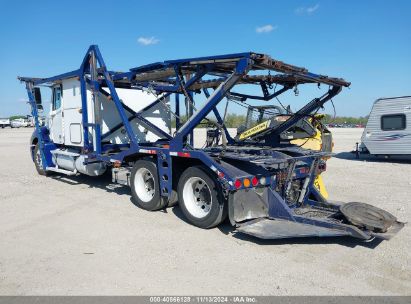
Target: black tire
[173, 201]
[37, 162]
[217, 206]
[147, 196]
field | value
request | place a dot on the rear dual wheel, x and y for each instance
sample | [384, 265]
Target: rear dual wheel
[199, 194]
[145, 187]
[201, 198]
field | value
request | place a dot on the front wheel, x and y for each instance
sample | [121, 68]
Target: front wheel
[38, 162]
[145, 187]
[201, 198]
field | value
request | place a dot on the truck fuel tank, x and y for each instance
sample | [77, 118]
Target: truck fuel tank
[74, 161]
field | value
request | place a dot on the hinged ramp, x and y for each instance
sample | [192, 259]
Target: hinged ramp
[281, 229]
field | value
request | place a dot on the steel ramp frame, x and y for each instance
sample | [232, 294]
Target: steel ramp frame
[268, 216]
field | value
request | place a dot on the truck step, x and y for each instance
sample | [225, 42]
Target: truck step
[58, 170]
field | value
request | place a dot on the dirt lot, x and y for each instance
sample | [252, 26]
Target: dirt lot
[79, 235]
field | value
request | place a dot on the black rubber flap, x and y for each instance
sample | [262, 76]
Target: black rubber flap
[367, 216]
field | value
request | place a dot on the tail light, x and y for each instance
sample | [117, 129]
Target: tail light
[237, 184]
[254, 181]
[183, 154]
[247, 182]
[250, 182]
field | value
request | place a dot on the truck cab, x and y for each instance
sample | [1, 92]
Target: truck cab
[65, 115]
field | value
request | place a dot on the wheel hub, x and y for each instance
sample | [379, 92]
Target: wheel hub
[197, 197]
[144, 184]
[201, 193]
[38, 159]
[149, 183]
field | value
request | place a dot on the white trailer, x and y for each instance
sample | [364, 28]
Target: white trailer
[388, 130]
[4, 122]
[19, 123]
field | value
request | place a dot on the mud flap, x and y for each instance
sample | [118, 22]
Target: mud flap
[282, 229]
[247, 205]
[255, 203]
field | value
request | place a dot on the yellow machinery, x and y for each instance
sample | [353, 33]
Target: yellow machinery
[310, 133]
[321, 141]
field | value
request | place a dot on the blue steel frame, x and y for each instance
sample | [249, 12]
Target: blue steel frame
[231, 70]
[241, 63]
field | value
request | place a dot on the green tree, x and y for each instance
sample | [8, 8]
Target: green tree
[16, 117]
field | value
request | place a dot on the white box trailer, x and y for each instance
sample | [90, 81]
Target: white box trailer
[388, 130]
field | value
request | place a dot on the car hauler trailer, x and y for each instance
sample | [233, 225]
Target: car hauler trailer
[388, 130]
[262, 182]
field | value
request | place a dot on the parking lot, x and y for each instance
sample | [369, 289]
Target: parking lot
[83, 236]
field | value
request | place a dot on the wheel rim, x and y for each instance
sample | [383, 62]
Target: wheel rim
[144, 184]
[197, 197]
[38, 159]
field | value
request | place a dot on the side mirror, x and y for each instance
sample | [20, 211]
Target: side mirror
[37, 97]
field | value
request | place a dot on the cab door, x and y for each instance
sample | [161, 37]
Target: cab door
[56, 116]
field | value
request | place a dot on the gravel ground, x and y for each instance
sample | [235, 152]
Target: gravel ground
[83, 236]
